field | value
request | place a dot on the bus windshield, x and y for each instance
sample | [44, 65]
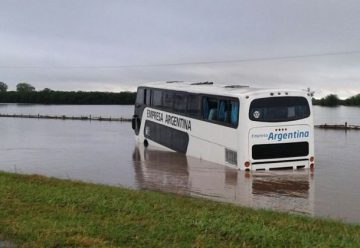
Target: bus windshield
[279, 109]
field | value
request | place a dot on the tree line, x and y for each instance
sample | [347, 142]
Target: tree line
[26, 93]
[333, 100]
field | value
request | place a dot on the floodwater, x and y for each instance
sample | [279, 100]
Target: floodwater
[68, 110]
[105, 152]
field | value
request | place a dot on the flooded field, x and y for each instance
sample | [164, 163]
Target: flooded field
[68, 110]
[106, 153]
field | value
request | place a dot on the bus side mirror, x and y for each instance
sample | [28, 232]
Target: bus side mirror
[133, 123]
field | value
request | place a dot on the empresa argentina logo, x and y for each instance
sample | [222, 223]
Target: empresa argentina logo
[283, 136]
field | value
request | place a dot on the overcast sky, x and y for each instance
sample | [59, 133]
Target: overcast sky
[41, 40]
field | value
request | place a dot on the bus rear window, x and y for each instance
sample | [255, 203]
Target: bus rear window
[279, 109]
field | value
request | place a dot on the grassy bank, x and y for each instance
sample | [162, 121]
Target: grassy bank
[44, 212]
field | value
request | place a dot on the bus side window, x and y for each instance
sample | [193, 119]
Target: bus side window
[210, 109]
[234, 113]
[193, 105]
[205, 108]
[222, 110]
[140, 97]
[180, 102]
[157, 98]
[168, 99]
[148, 97]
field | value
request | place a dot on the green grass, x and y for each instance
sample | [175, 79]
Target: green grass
[37, 211]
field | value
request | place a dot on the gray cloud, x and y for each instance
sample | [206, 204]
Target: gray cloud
[109, 33]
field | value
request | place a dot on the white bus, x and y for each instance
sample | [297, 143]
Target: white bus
[238, 126]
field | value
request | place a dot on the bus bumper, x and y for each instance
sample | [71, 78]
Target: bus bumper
[273, 165]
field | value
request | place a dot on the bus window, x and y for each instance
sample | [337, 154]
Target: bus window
[223, 110]
[210, 109]
[220, 110]
[228, 112]
[193, 105]
[147, 97]
[168, 98]
[180, 102]
[140, 99]
[279, 109]
[157, 98]
[234, 113]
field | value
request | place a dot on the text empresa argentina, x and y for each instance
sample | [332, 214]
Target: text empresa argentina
[172, 120]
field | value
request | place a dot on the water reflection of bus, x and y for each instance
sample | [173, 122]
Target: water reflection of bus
[161, 170]
[175, 172]
[242, 127]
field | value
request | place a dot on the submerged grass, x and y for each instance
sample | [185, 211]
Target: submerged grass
[36, 211]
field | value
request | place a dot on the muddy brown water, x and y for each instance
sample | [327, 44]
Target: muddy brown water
[106, 153]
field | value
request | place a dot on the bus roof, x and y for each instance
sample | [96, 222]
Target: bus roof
[219, 89]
